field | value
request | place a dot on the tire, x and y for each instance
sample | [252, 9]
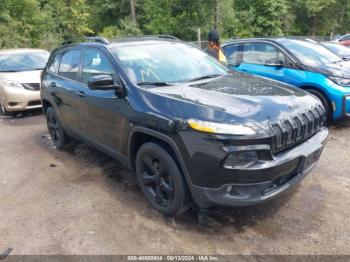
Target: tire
[161, 180]
[56, 131]
[3, 110]
[324, 102]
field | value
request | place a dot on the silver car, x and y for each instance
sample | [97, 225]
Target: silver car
[20, 71]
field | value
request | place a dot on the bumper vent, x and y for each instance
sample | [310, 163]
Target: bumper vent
[32, 86]
[291, 132]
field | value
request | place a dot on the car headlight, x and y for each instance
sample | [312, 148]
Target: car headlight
[12, 84]
[340, 81]
[219, 128]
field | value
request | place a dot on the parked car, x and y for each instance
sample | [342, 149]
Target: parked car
[304, 64]
[20, 71]
[343, 40]
[338, 49]
[192, 131]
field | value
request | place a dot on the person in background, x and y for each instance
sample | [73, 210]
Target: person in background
[214, 48]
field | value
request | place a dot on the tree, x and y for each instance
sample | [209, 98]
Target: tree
[21, 23]
[263, 18]
[133, 10]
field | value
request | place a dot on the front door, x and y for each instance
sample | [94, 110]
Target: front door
[103, 114]
[261, 59]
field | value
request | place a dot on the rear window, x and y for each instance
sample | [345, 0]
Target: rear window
[53, 66]
[69, 65]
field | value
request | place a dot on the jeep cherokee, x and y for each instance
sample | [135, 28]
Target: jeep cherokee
[192, 130]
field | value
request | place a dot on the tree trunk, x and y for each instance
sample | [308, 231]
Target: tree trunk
[216, 14]
[133, 10]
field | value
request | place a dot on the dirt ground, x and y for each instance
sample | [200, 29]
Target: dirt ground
[80, 201]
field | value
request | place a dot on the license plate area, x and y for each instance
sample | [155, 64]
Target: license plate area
[311, 159]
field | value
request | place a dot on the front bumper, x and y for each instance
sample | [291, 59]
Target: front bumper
[20, 99]
[302, 158]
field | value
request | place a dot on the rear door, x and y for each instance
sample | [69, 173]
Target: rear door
[65, 88]
[261, 58]
[103, 114]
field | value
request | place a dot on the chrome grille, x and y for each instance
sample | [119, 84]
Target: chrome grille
[31, 86]
[297, 129]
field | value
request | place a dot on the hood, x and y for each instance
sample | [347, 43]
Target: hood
[236, 98]
[22, 77]
[341, 69]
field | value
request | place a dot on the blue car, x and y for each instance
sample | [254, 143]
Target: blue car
[300, 63]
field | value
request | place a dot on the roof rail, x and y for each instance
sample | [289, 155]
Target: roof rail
[97, 39]
[147, 37]
[167, 37]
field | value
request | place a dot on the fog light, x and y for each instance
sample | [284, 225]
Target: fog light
[241, 159]
[13, 103]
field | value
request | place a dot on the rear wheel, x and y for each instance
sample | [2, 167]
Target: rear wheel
[324, 102]
[161, 180]
[56, 131]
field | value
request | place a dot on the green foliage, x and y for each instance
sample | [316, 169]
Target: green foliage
[126, 27]
[45, 23]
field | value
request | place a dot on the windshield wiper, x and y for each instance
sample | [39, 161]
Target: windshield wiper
[205, 77]
[153, 83]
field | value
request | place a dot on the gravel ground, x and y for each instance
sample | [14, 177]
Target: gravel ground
[80, 201]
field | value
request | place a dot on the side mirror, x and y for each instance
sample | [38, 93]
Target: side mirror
[104, 82]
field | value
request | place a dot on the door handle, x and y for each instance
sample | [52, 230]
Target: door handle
[52, 85]
[244, 70]
[80, 93]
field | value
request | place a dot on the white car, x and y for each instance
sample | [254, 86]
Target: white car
[20, 71]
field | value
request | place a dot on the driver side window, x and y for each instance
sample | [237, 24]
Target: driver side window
[234, 54]
[95, 63]
[262, 54]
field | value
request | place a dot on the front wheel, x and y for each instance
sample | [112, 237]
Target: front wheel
[161, 180]
[56, 131]
[3, 110]
[325, 103]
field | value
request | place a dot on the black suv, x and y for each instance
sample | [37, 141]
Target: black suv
[192, 130]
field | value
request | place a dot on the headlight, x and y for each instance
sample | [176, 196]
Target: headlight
[218, 128]
[12, 84]
[340, 81]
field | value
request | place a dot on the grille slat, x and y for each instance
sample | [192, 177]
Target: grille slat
[293, 131]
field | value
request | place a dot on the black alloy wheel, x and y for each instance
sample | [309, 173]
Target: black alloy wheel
[161, 180]
[157, 181]
[56, 131]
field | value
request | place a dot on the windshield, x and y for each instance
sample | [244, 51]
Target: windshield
[308, 53]
[338, 49]
[17, 62]
[166, 62]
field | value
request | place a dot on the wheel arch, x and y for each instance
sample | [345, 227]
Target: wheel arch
[140, 135]
[322, 92]
[330, 113]
[46, 104]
